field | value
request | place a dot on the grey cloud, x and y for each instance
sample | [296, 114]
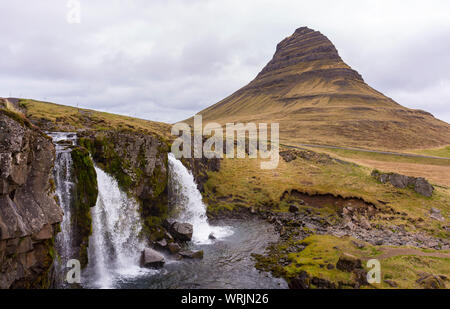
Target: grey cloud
[166, 60]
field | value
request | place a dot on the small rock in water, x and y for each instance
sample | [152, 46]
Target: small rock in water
[161, 244]
[192, 254]
[211, 236]
[182, 231]
[174, 248]
[152, 259]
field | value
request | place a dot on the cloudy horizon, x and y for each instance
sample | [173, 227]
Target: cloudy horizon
[167, 60]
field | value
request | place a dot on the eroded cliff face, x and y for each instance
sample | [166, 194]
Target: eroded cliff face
[29, 214]
[138, 161]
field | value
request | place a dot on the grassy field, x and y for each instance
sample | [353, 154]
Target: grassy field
[438, 152]
[241, 183]
[435, 170]
[322, 250]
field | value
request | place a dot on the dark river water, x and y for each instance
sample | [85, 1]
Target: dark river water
[227, 263]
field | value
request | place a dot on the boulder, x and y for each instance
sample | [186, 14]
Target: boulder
[174, 247]
[301, 282]
[360, 276]
[182, 231]
[348, 263]
[192, 254]
[436, 214]
[168, 223]
[152, 259]
[211, 236]
[399, 181]
[293, 208]
[422, 186]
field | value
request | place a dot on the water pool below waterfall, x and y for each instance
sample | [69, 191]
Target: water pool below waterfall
[227, 263]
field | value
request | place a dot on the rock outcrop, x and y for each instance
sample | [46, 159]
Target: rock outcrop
[138, 161]
[200, 168]
[29, 214]
[420, 185]
[182, 231]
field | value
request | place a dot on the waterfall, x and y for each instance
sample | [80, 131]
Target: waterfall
[187, 200]
[115, 245]
[62, 174]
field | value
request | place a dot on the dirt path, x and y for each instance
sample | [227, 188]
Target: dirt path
[366, 150]
[390, 252]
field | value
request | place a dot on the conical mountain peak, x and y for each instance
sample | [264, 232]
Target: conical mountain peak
[317, 98]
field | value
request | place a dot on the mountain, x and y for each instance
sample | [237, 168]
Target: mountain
[317, 98]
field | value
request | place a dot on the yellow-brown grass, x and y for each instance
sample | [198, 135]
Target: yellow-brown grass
[70, 118]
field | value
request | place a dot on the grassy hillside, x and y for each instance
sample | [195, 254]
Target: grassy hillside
[240, 184]
[57, 117]
[436, 170]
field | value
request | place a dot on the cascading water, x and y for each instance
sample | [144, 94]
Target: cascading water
[115, 245]
[62, 173]
[187, 200]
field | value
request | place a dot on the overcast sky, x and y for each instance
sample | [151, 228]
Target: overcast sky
[167, 60]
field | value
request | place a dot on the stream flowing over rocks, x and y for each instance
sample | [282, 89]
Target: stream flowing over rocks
[191, 253]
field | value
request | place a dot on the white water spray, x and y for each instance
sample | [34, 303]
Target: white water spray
[115, 245]
[187, 199]
[64, 185]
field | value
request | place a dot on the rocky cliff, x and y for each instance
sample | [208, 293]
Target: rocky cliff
[29, 214]
[138, 160]
[85, 193]
[318, 99]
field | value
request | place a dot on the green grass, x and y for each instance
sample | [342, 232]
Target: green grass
[241, 183]
[321, 250]
[355, 154]
[406, 269]
[439, 152]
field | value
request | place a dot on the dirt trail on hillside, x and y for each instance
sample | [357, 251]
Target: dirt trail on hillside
[438, 174]
[367, 150]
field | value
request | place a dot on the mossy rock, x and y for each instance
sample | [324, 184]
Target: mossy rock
[85, 197]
